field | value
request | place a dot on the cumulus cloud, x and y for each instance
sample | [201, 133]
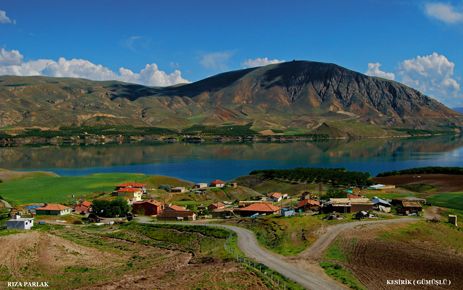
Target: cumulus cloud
[12, 63]
[4, 19]
[432, 74]
[444, 12]
[216, 60]
[260, 61]
[375, 71]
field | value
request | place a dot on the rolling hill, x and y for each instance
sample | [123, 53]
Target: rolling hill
[298, 97]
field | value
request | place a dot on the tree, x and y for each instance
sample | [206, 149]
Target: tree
[113, 208]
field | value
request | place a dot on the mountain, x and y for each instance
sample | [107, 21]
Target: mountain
[458, 109]
[293, 97]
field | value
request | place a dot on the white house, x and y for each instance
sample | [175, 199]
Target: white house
[19, 223]
[201, 185]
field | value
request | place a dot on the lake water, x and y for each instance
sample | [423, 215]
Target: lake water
[205, 162]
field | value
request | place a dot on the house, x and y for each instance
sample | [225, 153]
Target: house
[286, 212]
[225, 212]
[136, 185]
[217, 183]
[178, 189]
[177, 213]
[381, 187]
[409, 207]
[19, 223]
[132, 194]
[348, 205]
[53, 209]
[200, 185]
[398, 201]
[84, 207]
[217, 205]
[308, 204]
[259, 208]
[381, 204]
[147, 207]
[277, 196]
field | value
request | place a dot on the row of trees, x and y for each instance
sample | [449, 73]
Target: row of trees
[425, 170]
[333, 176]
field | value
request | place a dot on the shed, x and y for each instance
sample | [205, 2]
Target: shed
[19, 223]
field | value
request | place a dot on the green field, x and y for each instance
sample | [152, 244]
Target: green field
[59, 189]
[450, 200]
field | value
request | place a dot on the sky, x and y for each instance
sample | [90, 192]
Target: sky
[160, 43]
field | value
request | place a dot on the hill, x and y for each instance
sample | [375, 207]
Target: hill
[298, 97]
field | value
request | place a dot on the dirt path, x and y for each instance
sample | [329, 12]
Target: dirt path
[315, 251]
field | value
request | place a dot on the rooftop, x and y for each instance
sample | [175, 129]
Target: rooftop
[53, 206]
[261, 207]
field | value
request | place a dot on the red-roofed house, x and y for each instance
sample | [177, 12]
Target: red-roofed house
[217, 205]
[83, 208]
[263, 208]
[147, 207]
[140, 186]
[131, 194]
[53, 209]
[218, 183]
[308, 204]
[177, 213]
[277, 196]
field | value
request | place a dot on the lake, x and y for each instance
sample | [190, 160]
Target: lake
[205, 162]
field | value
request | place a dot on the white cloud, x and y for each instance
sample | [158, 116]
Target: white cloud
[260, 61]
[10, 57]
[444, 12]
[4, 19]
[375, 71]
[216, 60]
[433, 75]
[11, 63]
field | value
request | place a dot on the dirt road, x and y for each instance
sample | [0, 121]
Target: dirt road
[315, 251]
[309, 275]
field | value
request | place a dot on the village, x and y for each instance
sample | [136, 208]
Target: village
[348, 203]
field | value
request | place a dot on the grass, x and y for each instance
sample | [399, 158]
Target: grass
[450, 200]
[59, 189]
[423, 232]
[332, 264]
[285, 236]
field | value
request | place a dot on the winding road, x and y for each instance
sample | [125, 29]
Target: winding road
[311, 277]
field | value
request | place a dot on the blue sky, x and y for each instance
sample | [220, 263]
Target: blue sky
[416, 42]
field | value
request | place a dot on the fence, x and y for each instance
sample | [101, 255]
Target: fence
[274, 279]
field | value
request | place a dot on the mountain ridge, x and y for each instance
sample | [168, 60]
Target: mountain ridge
[296, 96]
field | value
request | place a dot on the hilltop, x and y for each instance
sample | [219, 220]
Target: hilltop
[293, 98]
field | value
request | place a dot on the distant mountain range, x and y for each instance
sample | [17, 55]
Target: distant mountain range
[298, 97]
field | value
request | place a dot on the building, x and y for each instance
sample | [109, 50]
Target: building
[177, 213]
[225, 212]
[200, 185]
[148, 207]
[277, 196]
[286, 212]
[84, 207]
[260, 208]
[136, 185]
[409, 207]
[132, 194]
[218, 183]
[398, 201]
[348, 205]
[217, 205]
[178, 189]
[308, 204]
[381, 187]
[53, 209]
[381, 204]
[19, 223]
